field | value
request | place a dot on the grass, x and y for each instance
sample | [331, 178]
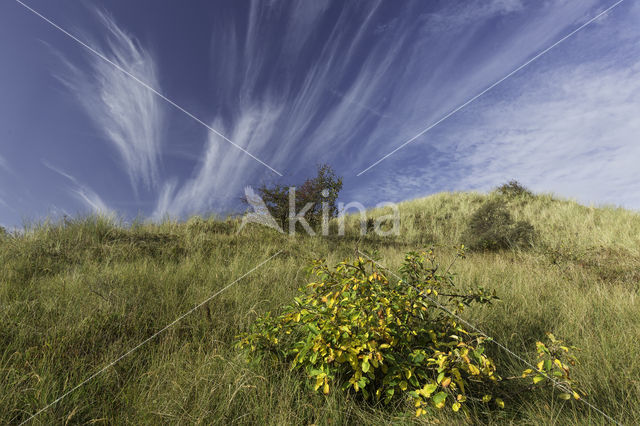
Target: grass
[76, 295]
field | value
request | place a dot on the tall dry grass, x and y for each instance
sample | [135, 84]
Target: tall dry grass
[75, 296]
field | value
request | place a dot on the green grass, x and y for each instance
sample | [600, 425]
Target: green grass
[75, 296]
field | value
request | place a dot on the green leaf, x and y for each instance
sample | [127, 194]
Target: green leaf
[439, 399]
[314, 372]
[414, 381]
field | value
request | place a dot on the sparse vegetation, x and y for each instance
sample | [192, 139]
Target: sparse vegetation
[76, 296]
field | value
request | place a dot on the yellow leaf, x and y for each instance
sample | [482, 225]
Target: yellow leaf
[325, 389]
[428, 389]
[538, 379]
[500, 402]
[455, 407]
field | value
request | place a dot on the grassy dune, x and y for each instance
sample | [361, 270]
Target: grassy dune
[76, 296]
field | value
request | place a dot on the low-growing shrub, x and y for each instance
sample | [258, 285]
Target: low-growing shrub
[513, 189]
[356, 330]
[491, 227]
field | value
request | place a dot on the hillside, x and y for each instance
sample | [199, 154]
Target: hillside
[77, 295]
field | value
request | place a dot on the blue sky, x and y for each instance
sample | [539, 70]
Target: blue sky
[297, 83]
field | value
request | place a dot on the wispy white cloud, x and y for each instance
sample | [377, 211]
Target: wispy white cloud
[456, 68]
[129, 115]
[92, 201]
[568, 125]
[574, 130]
[88, 197]
[348, 95]
[571, 130]
[367, 88]
[214, 182]
[458, 16]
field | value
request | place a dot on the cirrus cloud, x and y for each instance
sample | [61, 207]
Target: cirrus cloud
[128, 114]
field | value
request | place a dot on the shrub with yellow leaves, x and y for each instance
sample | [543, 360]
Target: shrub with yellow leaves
[385, 339]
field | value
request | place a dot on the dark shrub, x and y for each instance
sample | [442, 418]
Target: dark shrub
[514, 189]
[523, 234]
[491, 227]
